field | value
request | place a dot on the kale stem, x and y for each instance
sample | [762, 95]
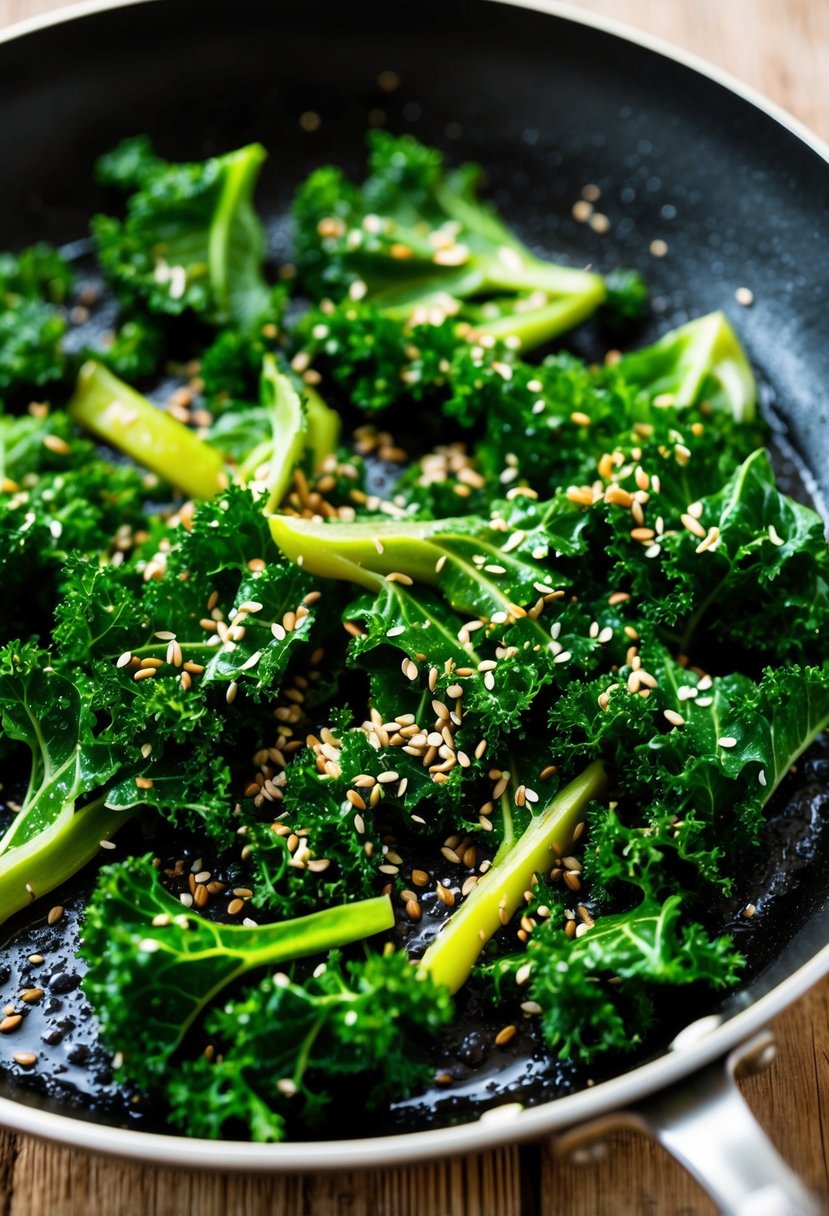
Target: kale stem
[42, 863]
[500, 892]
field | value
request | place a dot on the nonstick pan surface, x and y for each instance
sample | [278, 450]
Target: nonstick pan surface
[546, 104]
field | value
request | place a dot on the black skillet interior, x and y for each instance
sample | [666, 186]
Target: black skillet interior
[545, 103]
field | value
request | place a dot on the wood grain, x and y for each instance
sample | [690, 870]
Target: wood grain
[782, 49]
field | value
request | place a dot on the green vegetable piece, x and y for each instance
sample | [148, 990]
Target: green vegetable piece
[500, 892]
[191, 238]
[139, 940]
[296, 426]
[441, 553]
[129, 422]
[48, 840]
[416, 241]
[289, 1043]
[653, 947]
[700, 361]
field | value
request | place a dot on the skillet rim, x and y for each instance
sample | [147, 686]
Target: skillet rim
[508, 1123]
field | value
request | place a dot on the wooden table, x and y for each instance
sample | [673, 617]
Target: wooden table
[782, 49]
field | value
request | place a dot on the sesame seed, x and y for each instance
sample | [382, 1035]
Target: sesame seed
[10, 1023]
[505, 1036]
[761, 776]
[749, 911]
[124, 659]
[26, 1059]
[232, 689]
[106, 844]
[658, 248]
[57, 445]
[674, 718]
[693, 525]
[144, 673]
[55, 914]
[744, 296]
[710, 542]
[396, 577]
[727, 741]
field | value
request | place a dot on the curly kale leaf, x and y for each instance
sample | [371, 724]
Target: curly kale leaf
[583, 1014]
[293, 1042]
[191, 238]
[415, 239]
[34, 286]
[138, 939]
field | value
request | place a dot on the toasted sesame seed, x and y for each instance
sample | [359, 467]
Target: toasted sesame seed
[30, 996]
[55, 914]
[749, 911]
[505, 1035]
[144, 673]
[445, 895]
[693, 525]
[26, 1059]
[355, 799]
[674, 718]
[232, 689]
[10, 1023]
[235, 906]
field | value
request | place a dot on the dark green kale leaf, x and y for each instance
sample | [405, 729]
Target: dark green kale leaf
[285, 1048]
[139, 939]
[57, 829]
[34, 286]
[415, 239]
[191, 238]
[583, 1014]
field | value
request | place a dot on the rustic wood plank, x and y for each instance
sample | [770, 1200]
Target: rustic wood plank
[782, 50]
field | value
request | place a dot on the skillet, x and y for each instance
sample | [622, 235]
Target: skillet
[547, 103]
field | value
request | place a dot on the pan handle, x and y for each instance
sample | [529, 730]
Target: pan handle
[705, 1123]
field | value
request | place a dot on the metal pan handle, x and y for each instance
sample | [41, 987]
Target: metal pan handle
[705, 1123]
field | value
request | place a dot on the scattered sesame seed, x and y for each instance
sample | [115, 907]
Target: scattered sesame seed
[727, 741]
[55, 914]
[744, 296]
[673, 717]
